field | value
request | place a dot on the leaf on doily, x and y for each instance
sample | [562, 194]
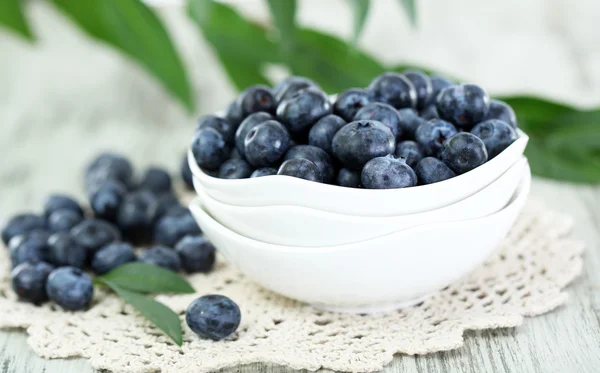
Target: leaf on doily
[147, 278]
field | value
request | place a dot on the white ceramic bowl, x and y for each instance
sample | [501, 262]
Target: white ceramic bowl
[303, 226]
[286, 190]
[380, 274]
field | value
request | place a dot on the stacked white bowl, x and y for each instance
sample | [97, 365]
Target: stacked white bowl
[359, 250]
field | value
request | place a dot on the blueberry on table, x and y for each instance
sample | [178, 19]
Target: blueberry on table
[349, 178]
[464, 152]
[63, 220]
[301, 168]
[137, 215]
[383, 113]
[464, 105]
[410, 151]
[422, 84]
[265, 171]
[107, 199]
[29, 247]
[431, 170]
[300, 111]
[234, 114]
[502, 111]
[29, 281]
[358, 142]
[209, 149]
[248, 124]
[156, 180]
[92, 234]
[63, 250]
[161, 256]
[112, 256]
[289, 86]
[321, 134]
[266, 143]
[429, 112]
[108, 166]
[166, 202]
[438, 84]
[496, 134]
[387, 172]
[349, 102]
[71, 288]
[257, 98]
[172, 228]
[186, 173]
[409, 122]
[196, 254]
[222, 125]
[316, 155]
[213, 317]
[432, 134]
[22, 223]
[394, 89]
[61, 202]
[235, 169]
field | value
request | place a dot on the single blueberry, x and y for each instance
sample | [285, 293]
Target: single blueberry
[63, 220]
[431, 170]
[234, 114]
[156, 180]
[137, 215]
[289, 86]
[301, 168]
[70, 288]
[213, 317]
[265, 171]
[432, 134]
[409, 122]
[438, 84]
[430, 112]
[394, 89]
[108, 166]
[29, 281]
[349, 102]
[209, 149]
[321, 134]
[300, 111]
[63, 250]
[464, 105]
[112, 256]
[196, 254]
[387, 173]
[266, 143]
[166, 202]
[257, 98]
[410, 151]
[186, 173]
[496, 134]
[383, 113]
[92, 234]
[316, 155]
[22, 223]
[172, 228]
[235, 169]
[222, 125]
[61, 202]
[502, 111]
[161, 256]
[422, 84]
[107, 199]
[248, 124]
[464, 152]
[358, 142]
[349, 178]
[29, 247]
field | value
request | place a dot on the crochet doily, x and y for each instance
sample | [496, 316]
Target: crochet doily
[524, 277]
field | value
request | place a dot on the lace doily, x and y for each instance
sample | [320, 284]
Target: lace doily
[524, 277]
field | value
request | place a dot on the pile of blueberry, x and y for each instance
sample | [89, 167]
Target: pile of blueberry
[403, 130]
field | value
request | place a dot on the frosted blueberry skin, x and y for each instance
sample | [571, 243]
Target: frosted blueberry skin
[300, 111]
[301, 168]
[358, 142]
[161, 256]
[497, 135]
[349, 102]
[221, 125]
[464, 105]
[170, 229]
[429, 112]
[213, 317]
[209, 149]
[93, 233]
[257, 98]
[422, 84]
[20, 224]
[70, 288]
[246, 126]
[29, 281]
[63, 220]
[502, 111]
[394, 89]
[265, 171]
[349, 178]
[431, 170]
[316, 155]
[156, 180]
[438, 84]
[235, 169]
[63, 250]
[29, 247]
[409, 122]
[108, 166]
[321, 134]
[196, 254]
[56, 202]
[387, 172]
[107, 199]
[289, 86]
[464, 152]
[432, 134]
[266, 144]
[383, 113]
[410, 151]
[112, 256]
[234, 114]
[137, 214]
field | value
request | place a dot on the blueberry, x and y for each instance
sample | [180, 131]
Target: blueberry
[234, 113]
[29, 281]
[107, 199]
[20, 224]
[409, 122]
[464, 105]
[383, 113]
[430, 112]
[61, 202]
[431, 170]
[70, 288]
[112, 256]
[496, 134]
[92, 234]
[316, 155]
[137, 214]
[166, 202]
[303, 109]
[209, 149]
[247, 125]
[321, 134]
[358, 142]
[431, 135]
[222, 125]
[235, 169]
[186, 173]
[108, 166]
[161, 256]
[196, 254]
[172, 228]
[394, 89]
[235, 154]
[386, 173]
[301, 168]
[422, 85]
[266, 143]
[349, 178]
[29, 247]
[213, 317]
[464, 152]
[438, 84]
[63, 250]
[288, 87]
[265, 171]
[156, 180]
[502, 111]
[257, 98]
[349, 102]
[410, 151]
[63, 220]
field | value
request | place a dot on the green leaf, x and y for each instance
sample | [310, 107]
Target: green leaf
[360, 10]
[283, 13]
[410, 7]
[157, 313]
[132, 27]
[12, 18]
[147, 278]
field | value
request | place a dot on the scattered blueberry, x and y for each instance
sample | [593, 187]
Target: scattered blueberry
[176, 210]
[316, 155]
[70, 288]
[196, 254]
[107, 199]
[257, 98]
[156, 180]
[288, 87]
[430, 112]
[266, 143]
[235, 169]
[349, 102]
[172, 228]
[112, 256]
[348, 178]
[464, 152]
[221, 125]
[431, 135]
[410, 151]
[61, 202]
[393, 89]
[63, 250]
[166, 202]
[92, 234]
[248, 124]
[387, 172]
[213, 317]
[496, 134]
[464, 105]
[383, 113]
[137, 215]
[358, 142]
[108, 166]
[409, 122]
[303, 109]
[431, 170]
[186, 173]
[209, 149]
[322, 132]
[161, 256]
[502, 111]
[29, 247]
[22, 223]
[265, 171]
[301, 168]
[63, 220]
[29, 281]
[422, 85]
